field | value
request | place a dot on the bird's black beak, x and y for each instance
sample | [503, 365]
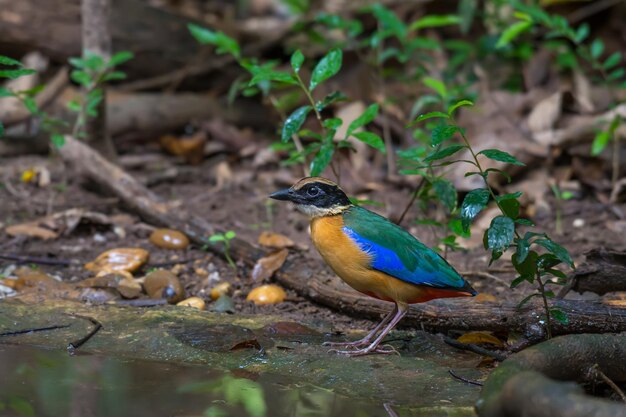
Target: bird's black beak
[283, 195]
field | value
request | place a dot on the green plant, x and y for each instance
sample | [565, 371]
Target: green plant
[317, 146]
[560, 196]
[576, 52]
[16, 70]
[503, 233]
[225, 237]
[90, 72]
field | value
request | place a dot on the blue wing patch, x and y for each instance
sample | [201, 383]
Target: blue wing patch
[431, 269]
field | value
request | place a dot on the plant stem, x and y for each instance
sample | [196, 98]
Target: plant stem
[296, 139]
[542, 291]
[227, 255]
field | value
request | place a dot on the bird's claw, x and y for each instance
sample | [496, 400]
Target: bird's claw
[346, 344]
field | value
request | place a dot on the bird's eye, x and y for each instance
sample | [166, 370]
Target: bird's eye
[313, 191]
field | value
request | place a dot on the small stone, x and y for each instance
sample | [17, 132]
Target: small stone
[267, 294]
[221, 289]
[578, 223]
[119, 259]
[201, 272]
[169, 239]
[194, 302]
[164, 284]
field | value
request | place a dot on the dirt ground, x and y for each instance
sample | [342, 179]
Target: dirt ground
[238, 201]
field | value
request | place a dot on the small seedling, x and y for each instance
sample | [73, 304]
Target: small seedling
[226, 238]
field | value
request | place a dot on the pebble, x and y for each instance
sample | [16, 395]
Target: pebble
[169, 239]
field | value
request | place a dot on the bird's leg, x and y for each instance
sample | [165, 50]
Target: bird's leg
[367, 339]
[402, 309]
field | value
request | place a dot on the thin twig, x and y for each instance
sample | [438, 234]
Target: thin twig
[483, 274]
[141, 303]
[596, 372]
[418, 187]
[37, 329]
[389, 410]
[72, 346]
[462, 378]
[474, 348]
[38, 260]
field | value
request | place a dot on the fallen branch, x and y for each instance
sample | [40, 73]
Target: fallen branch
[312, 280]
[603, 271]
[524, 384]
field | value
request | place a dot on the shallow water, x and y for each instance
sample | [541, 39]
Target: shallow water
[50, 383]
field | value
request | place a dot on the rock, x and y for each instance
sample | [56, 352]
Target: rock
[164, 284]
[119, 259]
[169, 239]
[267, 294]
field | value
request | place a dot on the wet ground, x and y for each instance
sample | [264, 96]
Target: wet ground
[50, 383]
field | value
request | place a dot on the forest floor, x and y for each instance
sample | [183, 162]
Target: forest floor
[238, 201]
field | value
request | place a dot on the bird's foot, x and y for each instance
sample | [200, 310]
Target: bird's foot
[384, 350]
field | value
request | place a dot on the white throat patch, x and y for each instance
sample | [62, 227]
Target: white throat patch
[313, 211]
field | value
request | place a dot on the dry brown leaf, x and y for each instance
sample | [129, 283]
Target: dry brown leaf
[191, 148]
[275, 240]
[31, 229]
[546, 113]
[616, 303]
[477, 338]
[266, 266]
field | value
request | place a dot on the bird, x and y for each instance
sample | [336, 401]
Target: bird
[373, 256]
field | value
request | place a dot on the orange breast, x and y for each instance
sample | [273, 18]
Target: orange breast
[353, 266]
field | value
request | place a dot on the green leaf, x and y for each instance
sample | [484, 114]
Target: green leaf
[510, 208]
[524, 222]
[582, 32]
[509, 196]
[501, 156]
[612, 60]
[616, 74]
[500, 233]
[473, 203]
[326, 67]
[333, 123]
[436, 85]
[120, 58]
[599, 142]
[559, 316]
[390, 21]
[57, 140]
[523, 246]
[446, 193]
[443, 132]
[527, 267]
[443, 153]
[556, 249]
[5, 60]
[1, 129]
[527, 299]
[217, 238]
[458, 104]
[322, 159]
[5, 92]
[368, 115]
[31, 105]
[114, 76]
[230, 235]
[297, 59]
[222, 42]
[73, 105]
[80, 77]
[294, 122]
[431, 21]
[16, 73]
[329, 99]
[431, 115]
[597, 47]
[271, 75]
[371, 139]
[512, 32]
